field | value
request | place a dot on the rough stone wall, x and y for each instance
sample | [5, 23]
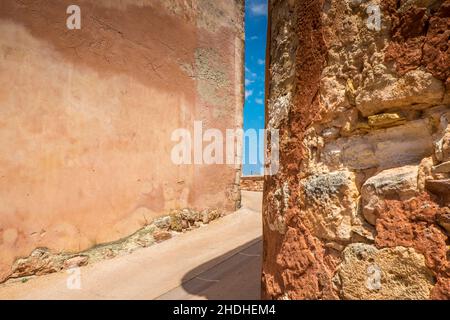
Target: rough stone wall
[360, 206]
[86, 118]
[252, 183]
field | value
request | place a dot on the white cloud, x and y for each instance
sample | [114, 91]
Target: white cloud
[261, 61]
[252, 74]
[248, 93]
[254, 38]
[258, 9]
[248, 82]
[259, 101]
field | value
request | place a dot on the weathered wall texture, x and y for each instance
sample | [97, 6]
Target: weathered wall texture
[86, 117]
[360, 207]
[252, 183]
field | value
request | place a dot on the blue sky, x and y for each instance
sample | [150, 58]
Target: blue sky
[255, 51]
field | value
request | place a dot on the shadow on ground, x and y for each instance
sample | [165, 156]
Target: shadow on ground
[235, 275]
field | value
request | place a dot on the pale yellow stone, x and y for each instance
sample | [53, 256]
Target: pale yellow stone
[415, 87]
[384, 148]
[396, 183]
[389, 274]
[329, 206]
[386, 120]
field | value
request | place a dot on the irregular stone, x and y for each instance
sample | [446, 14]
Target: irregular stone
[386, 120]
[406, 4]
[442, 147]
[214, 214]
[334, 245]
[441, 290]
[161, 235]
[205, 216]
[350, 91]
[411, 223]
[77, 261]
[40, 262]
[162, 223]
[419, 37]
[190, 215]
[364, 233]
[436, 57]
[306, 268]
[415, 87]
[330, 133]
[197, 224]
[368, 273]
[176, 222]
[144, 243]
[279, 111]
[442, 168]
[143, 237]
[108, 253]
[440, 188]
[425, 173]
[352, 129]
[328, 203]
[392, 147]
[443, 219]
[397, 183]
[446, 99]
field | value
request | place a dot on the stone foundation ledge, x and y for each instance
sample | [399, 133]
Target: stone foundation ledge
[43, 261]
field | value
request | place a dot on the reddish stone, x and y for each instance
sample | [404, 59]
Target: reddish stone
[412, 223]
[420, 38]
[295, 264]
[302, 268]
[441, 290]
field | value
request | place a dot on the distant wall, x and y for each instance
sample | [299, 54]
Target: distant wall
[252, 183]
[86, 116]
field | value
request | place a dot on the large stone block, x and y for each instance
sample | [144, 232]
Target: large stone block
[329, 204]
[385, 148]
[397, 183]
[416, 89]
[392, 273]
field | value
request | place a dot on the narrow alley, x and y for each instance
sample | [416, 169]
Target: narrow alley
[193, 265]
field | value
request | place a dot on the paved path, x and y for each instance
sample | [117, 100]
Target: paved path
[219, 261]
